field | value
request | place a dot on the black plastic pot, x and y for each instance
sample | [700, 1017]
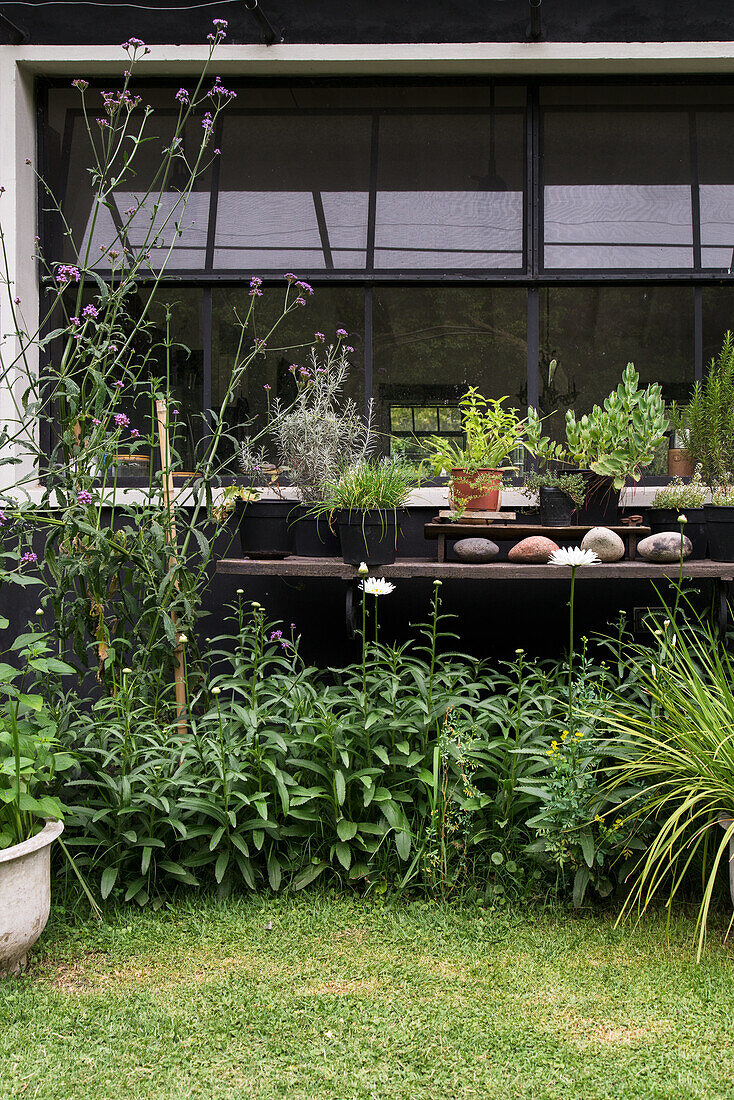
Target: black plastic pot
[556, 507]
[720, 531]
[265, 528]
[666, 519]
[313, 537]
[601, 501]
[367, 536]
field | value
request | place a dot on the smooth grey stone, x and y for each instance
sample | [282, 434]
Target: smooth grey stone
[476, 550]
[664, 547]
[606, 544]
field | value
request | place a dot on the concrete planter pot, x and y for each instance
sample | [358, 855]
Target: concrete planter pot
[25, 896]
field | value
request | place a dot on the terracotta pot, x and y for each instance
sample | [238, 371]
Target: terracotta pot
[476, 492]
[25, 896]
[679, 465]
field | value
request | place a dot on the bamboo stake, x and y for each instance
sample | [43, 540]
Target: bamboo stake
[167, 473]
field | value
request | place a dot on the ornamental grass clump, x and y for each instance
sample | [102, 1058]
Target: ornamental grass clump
[675, 743]
[385, 485]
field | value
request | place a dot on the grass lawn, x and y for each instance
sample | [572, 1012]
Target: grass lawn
[341, 999]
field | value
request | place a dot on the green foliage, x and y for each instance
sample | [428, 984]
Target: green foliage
[675, 743]
[366, 484]
[323, 434]
[30, 756]
[709, 418]
[579, 828]
[615, 440]
[416, 767]
[491, 433]
[681, 494]
[573, 485]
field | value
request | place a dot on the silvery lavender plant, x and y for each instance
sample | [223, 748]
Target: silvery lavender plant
[323, 433]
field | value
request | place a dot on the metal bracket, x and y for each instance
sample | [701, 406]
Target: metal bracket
[721, 607]
[535, 29]
[270, 33]
[22, 35]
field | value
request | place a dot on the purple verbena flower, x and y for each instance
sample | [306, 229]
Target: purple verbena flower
[29, 556]
[266, 386]
[347, 348]
[342, 332]
[255, 281]
[82, 85]
[84, 497]
[305, 286]
[174, 412]
[182, 96]
[67, 273]
[276, 635]
[96, 421]
[3, 519]
[135, 434]
[300, 301]
[319, 336]
[118, 385]
[90, 311]
[121, 420]
[207, 123]
[16, 301]
[290, 277]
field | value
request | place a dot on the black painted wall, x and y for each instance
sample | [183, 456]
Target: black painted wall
[366, 21]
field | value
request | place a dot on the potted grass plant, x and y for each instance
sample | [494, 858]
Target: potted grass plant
[476, 466]
[365, 502]
[611, 445]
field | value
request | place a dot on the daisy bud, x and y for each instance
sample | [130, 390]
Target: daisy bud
[682, 519]
[216, 691]
[182, 639]
[363, 570]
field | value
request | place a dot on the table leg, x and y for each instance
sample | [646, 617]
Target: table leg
[350, 607]
[441, 548]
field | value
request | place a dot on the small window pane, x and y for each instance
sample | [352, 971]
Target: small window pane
[293, 192]
[176, 234]
[268, 377]
[617, 190]
[431, 344]
[716, 174]
[593, 332]
[450, 191]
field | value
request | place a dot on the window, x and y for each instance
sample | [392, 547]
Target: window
[463, 234]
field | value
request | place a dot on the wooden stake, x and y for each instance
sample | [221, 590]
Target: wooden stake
[167, 474]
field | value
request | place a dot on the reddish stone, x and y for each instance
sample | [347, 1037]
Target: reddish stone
[533, 551]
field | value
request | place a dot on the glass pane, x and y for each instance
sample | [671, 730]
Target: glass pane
[431, 344]
[617, 189]
[268, 377]
[183, 369]
[718, 319]
[450, 191]
[716, 174]
[593, 332]
[176, 234]
[293, 192]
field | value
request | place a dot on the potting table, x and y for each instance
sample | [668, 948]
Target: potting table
[501, 532]
[418, 569]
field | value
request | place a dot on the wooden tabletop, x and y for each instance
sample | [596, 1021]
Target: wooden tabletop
[420, 568]
[459, 530]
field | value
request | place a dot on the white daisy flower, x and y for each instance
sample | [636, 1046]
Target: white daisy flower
[573, 556]
[377, 586]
